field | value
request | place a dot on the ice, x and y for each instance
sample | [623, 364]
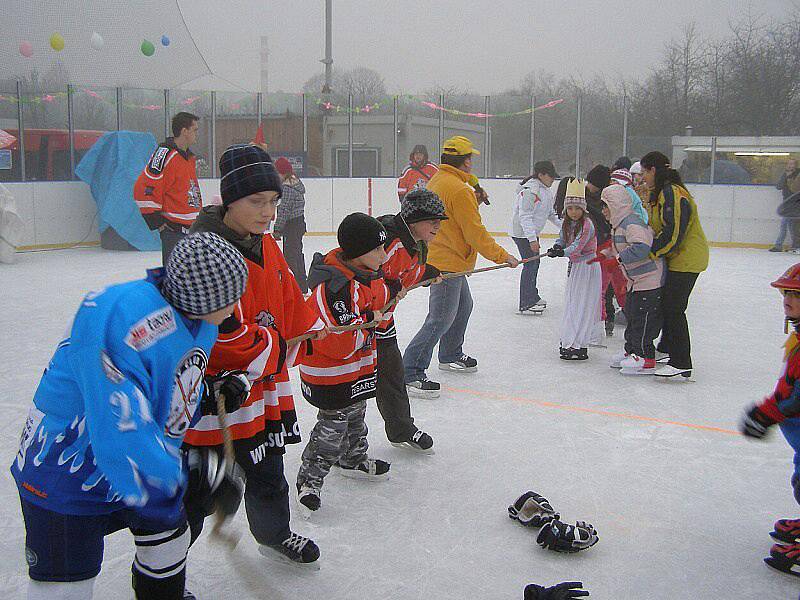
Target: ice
[683, 506]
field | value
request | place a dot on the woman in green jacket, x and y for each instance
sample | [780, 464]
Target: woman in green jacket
[680, 240]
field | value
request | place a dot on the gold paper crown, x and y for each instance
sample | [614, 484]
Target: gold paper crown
[576, 189]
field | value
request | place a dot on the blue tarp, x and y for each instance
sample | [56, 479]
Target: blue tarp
[110, 168]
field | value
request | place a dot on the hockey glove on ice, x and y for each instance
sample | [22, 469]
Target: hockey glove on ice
[212, 484]
[755, 423]
[569, 590]
[561, 537]
[556, 251]
[532, 510]
[234, 385]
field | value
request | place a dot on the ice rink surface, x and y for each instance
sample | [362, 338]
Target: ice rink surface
[683, 506]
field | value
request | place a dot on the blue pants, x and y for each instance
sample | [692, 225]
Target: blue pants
[449, 308]
[790, 429]
[528, 294]
[786, 226]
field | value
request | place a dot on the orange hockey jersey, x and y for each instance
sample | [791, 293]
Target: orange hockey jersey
[167, 189]
[415, 177]
[403, 267]
[271, 310]
[340, 369]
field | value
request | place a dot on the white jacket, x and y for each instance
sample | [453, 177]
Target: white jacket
[533, 206]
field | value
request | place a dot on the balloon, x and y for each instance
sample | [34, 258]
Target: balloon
[57, 42]
[147, 48]
[164, 41]
[97, 41]
[26, 49]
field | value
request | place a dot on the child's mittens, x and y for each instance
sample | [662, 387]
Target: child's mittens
[755, 423]
[556, 251]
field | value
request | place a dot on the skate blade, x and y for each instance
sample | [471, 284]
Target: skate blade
[281, 559]
[413, 448]
[447, 367]
[774, 564]
[624, 371]
[360, 475]
[425, 394]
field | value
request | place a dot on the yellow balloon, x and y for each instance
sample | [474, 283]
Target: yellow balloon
[57, 42]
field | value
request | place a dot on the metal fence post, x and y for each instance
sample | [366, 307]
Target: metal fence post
[305, 125]
[486, 137]
[712, 169]
[71, 132]
[441, 122]
[350, 135]
[167, 131]
[533, 130]
[259, 107]
[213, 156]
[118, 93]
[395, 136]
[578, 139]
[21, 132]
[625, 125]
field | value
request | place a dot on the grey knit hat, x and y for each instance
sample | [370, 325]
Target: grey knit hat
[421, 205]
[204, 274]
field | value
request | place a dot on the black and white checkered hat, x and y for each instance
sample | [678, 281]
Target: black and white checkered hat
[421, 205]
[204, 273]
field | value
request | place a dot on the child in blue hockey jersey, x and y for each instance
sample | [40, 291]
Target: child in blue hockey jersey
[100, 450]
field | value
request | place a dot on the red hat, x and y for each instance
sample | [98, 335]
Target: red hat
[283, 166]
[790, 280]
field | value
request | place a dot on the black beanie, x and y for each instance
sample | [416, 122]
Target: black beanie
[244, 170]
[358, 234]
[421, 205]
[599, 176]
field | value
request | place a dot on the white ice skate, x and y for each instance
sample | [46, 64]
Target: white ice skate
[616, 360]
[536, 309]
[670, 372]
[636, 365]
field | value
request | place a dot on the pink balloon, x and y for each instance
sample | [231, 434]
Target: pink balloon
[26, 49]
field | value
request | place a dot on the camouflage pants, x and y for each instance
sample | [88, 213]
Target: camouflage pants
[340, 436]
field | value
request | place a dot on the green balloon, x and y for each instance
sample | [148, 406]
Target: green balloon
[147, 48]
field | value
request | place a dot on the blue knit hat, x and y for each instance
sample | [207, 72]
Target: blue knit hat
[246, 169]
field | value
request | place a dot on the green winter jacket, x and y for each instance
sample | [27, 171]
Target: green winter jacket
[679, 236]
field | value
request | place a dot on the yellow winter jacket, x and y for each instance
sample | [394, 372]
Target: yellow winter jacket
[679, 236]
[462, 235]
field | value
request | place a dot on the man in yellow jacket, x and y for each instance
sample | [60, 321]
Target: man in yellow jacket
[455, 248]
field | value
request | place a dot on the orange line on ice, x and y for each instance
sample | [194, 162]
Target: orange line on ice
[593, 411]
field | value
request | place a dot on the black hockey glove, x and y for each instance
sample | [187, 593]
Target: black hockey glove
[234, 385]
[755, 423]
[532, 510]
[561, 537]
[556, 251]
[563, 591]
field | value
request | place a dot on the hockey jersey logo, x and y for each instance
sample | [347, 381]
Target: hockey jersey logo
[159, 159]
[195, 199]
[186, 392]
[265, 319]
[152, 328]
[113, 374]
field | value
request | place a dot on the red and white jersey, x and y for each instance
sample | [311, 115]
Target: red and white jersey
[340, 369]
[415, 177]
[271, 310]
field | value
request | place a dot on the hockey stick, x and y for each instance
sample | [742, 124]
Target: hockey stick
[230, 461]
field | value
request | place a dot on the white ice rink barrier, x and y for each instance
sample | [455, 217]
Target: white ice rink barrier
[63, 213]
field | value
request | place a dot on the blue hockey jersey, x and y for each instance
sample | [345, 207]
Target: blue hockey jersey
[112, 407]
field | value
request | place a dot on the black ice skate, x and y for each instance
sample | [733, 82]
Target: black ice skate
[419, 442]
[465, 364]
[295, 549]
[308, 497]
[372, 469]
[574, 354]
[423, 388]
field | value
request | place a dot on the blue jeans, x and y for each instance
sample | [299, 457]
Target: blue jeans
[790, 428]
[449, 308]
[786, 225]
[528, 294]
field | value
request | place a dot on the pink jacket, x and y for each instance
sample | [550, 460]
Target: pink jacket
[631, 240]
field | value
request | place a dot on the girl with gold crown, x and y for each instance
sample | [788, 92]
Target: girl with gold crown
[582, 296]
[782, 407]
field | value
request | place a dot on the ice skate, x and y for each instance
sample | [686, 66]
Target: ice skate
[419, 442]
[636, 365]
[465, 364]
[616, 360]
[574, 354]
[786, 531]
[295, 549]
[372, 469]
[423, 388]
[308, 500]
[668, 371]
[536, 309]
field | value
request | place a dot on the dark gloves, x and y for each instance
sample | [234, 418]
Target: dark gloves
[214, 485]
[755, 423]
[556, 251]
[563, 591]
[234, 385]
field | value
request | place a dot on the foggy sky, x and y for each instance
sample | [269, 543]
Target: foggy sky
[481, 45]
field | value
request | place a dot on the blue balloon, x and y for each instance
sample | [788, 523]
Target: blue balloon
[164, 40]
